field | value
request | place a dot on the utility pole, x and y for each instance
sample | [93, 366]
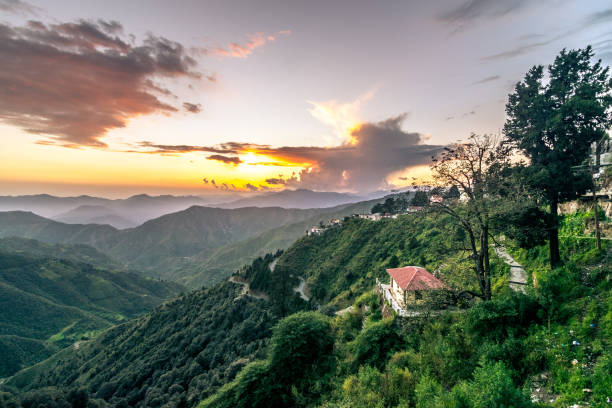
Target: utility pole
[596, 206]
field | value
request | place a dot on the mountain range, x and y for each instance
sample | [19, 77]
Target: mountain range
[300, 198]
[186, 246]
[137, 209]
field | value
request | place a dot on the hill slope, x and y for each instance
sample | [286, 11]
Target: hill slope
[47, 302]
[206, 268]
[213, 343]
[95, 214]
[178, 246]
[200, 341]
[155, 245]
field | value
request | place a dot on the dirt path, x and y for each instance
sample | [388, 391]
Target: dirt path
[301, 289]
[246, 290]
[518, 276]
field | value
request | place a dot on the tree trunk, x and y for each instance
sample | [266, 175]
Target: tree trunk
[486, 264]
[555, 258]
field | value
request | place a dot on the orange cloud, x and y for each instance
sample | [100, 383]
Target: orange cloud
[254, 41]
[377, 150]
[73, 82]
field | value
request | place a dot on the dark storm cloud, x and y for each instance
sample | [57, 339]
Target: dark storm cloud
[192, 107]
[225, 159]
[474, 9]
[75, 81]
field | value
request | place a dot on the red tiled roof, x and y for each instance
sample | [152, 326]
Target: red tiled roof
[415, 278]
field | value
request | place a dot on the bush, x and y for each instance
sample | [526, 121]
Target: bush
[373, 345]
[492, 387]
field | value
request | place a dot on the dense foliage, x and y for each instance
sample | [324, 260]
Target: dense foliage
[220, 344]
[179, 353]
[553, 120]
[47, 303]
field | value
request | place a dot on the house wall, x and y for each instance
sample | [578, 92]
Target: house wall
[398, 293]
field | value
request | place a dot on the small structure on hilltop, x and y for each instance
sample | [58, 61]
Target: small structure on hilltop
[315, 231]
[435, 199]
[371, 217]
[407, 286]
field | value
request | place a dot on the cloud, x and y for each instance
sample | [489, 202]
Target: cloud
[474, 9]
[192, 107]
[487, 79]
[375, 150]
[276, 181]
[342, 117]
[517, 51]
[254, 41]
[18, 7]
[594, 18]
[225, 159]
[599, 17]
[73, 82]
[378, 149]
[223, 148]
[251, 187]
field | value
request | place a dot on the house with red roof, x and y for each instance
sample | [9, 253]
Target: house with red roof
[408, 284]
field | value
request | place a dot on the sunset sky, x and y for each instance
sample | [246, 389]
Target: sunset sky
[116, 98]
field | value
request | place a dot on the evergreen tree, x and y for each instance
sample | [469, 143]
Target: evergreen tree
[553, 121]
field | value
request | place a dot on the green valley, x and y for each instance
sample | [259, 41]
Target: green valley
[50, 298]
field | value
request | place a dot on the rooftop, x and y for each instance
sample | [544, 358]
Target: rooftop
[415, 278]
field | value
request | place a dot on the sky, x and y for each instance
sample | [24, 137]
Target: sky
[117, 98]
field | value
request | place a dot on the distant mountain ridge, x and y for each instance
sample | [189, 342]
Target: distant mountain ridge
[157, 244]
[300, 198]
[197, 247]
[94, 214]
[120, 213]
[137, 209]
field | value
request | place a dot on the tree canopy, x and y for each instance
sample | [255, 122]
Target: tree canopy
[553, 120]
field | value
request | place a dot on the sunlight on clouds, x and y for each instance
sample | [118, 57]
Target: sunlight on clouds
[344, 118]
[409, 176]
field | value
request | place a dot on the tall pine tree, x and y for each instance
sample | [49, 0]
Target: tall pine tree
[553, 120]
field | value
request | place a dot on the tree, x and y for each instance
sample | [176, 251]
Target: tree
[452, 193]
[420, 199]
[553, 121]
[476, 167]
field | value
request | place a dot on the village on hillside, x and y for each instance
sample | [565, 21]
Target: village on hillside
[412, 201]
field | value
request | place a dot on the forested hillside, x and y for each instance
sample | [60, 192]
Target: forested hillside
[73, 252]
[196, 247]
[198, 337]
[163, 247]
[207, 267]
[203, 342]
[49, 301]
